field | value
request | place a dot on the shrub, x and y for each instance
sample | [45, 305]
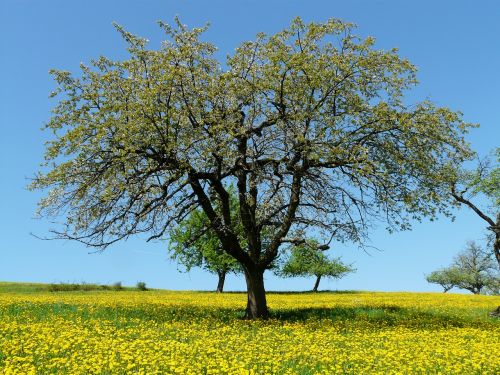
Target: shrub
[63, 287]
[141, 285]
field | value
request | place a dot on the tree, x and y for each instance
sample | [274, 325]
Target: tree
[472, 269]
[478, 269]
[485, 181]
[446, 277]
[193, 243]
[308, 260]
[493, 288]
[309, 125]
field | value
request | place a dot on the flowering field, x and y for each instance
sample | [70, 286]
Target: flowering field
[160, 332]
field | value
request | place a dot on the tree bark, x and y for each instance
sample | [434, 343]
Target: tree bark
[222, 278]
[495, 313]
[496, 245]
[256, 294]
[316, 284]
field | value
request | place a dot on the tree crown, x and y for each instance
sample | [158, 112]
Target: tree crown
[308, 260]
[309, 124]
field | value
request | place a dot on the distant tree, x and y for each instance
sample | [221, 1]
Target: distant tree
[310, 124]
[472, 269]
[483, 181]
[141, 285]
[493, 287]
[478, 270]
[193, 243]
[308, 260]
[446, 277]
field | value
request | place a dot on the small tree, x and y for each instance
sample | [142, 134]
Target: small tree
[493, 287]
[478, 270]
[308, 260]
[141, 285]
[446, 277]
[472, 269]
[193, 243]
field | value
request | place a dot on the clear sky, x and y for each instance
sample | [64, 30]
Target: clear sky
[454, 44]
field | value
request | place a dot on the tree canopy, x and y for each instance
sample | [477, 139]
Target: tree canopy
[448, 277]
[308, 260]
[484, 181]
[309, 124]
[473, 269]
[193, 243]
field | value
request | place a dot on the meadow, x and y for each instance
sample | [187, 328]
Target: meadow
[164, 332]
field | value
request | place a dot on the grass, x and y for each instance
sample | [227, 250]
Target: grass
[10, 287]
[106, 332]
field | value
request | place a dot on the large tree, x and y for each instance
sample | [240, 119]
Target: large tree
[309, 124]
[484, 181]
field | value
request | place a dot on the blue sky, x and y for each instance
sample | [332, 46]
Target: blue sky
[453, 43]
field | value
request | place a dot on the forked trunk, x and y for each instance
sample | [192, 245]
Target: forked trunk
[256, 294]
[316, 284]
[222, 279]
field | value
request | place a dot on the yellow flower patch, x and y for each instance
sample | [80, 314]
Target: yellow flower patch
[161, 332]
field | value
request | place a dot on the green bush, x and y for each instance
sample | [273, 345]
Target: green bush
[72, 287]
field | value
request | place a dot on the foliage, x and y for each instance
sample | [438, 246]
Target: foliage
[141, 285]
[472, 269]
[308, 260]
[70, 287]
[446, 277]
[493, 286]
[187, 332]
[309, 124]
[193, 243]
[486, 179]
[485, 182]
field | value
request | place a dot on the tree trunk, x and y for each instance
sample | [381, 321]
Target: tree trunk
[496, 245]
[476, 289]
[256, 304]
[495, 313]
[316, 284]
[222, 278]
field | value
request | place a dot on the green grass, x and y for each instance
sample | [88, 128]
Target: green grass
[370, 315]
[187, 326]
[10, 287]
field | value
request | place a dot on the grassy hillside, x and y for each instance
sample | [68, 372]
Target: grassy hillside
[8, 287]
[108, 332]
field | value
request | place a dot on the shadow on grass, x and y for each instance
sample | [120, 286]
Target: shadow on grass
[387, 316]
[292, 292]
[360, 316]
